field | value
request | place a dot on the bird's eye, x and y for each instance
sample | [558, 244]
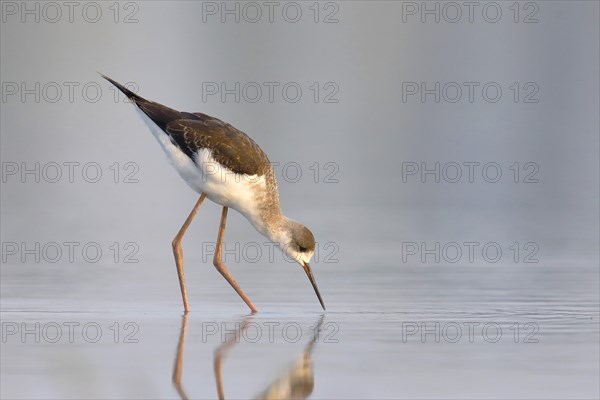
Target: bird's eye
[302, 249]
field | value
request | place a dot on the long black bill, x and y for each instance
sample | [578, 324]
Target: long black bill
[313, 282]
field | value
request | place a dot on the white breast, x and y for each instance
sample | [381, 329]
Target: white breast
[205, 175]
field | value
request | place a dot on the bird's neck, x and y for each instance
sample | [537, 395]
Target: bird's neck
[274, 226]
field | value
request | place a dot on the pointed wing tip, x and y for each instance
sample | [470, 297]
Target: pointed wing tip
[131, 95]
[104, 76]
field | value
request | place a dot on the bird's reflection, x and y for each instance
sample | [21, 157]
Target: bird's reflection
[296, 382]
[178, 367]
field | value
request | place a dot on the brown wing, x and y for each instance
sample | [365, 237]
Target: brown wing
[194, 131]
[229, 146]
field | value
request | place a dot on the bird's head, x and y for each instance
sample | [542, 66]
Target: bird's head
[299, 244]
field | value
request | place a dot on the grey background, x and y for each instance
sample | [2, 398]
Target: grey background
[368, 134]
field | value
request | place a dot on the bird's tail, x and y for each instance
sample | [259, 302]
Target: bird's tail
[161, 115]
[130, 95]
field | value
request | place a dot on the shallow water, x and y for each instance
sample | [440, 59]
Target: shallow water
[401, 322]
[417, 332]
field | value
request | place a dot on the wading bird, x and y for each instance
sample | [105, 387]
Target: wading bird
[223, 164]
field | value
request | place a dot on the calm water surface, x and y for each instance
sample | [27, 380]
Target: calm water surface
[405, 332]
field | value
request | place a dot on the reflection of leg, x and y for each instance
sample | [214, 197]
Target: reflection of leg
[179, 254]
[178, 367]
[222, 268]
[220, 353]
[218, 376]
